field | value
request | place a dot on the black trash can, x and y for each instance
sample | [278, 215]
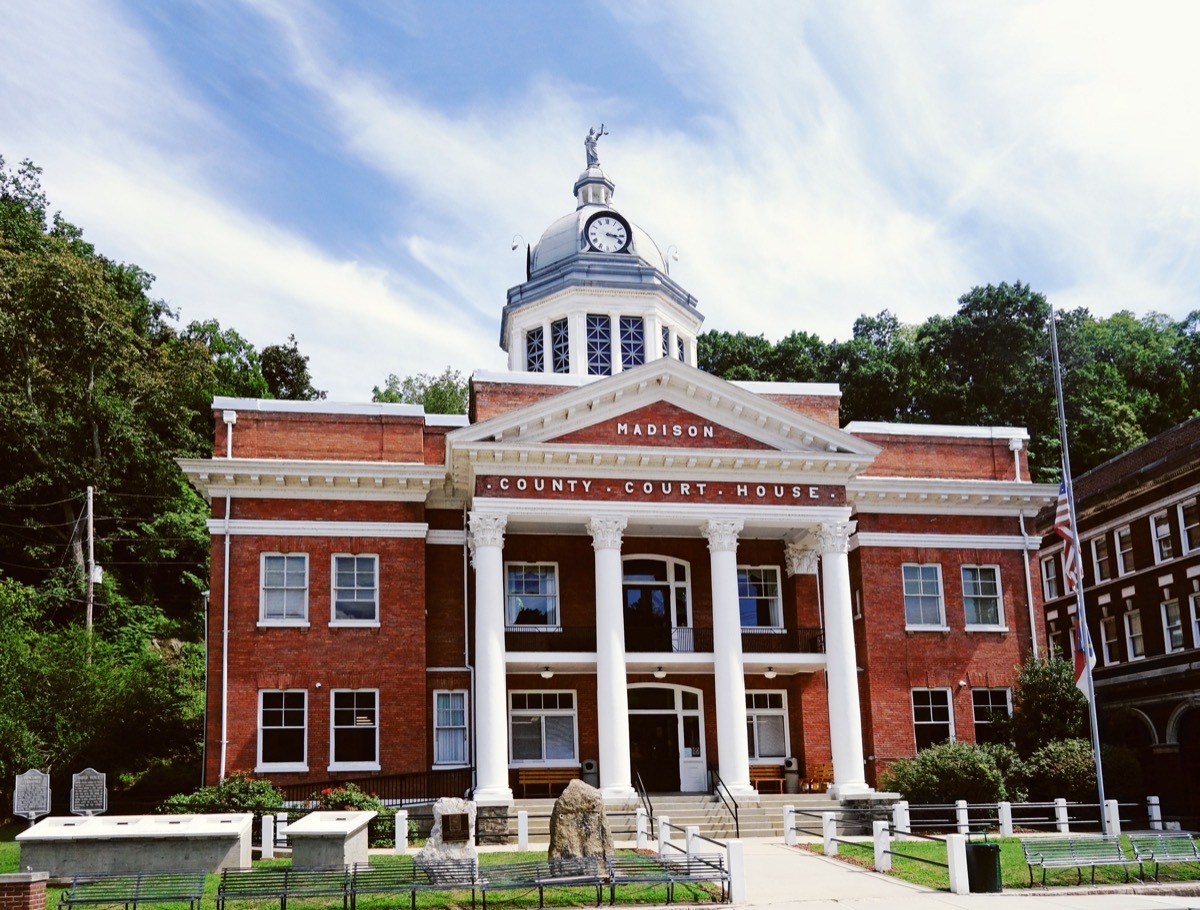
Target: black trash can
[590, 772]
[983, 868]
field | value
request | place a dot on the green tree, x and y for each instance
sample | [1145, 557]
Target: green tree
[1047, 706]
[446, 393]
[285, 370]
[236, 365]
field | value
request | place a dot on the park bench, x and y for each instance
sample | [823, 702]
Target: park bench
[766, 776]
[408, 877]
[660, 869]
[283, 882]
[1074, 853]
[590, 872]
[545, 777]
[1166, 847]
[819, 778]
[133, 888]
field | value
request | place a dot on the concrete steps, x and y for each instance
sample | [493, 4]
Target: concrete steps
[761, 820]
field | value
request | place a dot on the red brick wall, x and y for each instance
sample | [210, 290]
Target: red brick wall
[23, 891]
[671, 427]
[321, 510]
[334, 437]
[489, 399]
[945, 457]
[823, 408]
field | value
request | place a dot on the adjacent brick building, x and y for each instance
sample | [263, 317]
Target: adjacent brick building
[615, 556]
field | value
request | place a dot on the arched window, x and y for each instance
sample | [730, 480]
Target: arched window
[658, 604]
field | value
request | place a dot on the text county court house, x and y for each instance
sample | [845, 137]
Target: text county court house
[615, 557]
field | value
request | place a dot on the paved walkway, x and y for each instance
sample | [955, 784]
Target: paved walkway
[782, 877]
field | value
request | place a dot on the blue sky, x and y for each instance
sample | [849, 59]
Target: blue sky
[354, 172]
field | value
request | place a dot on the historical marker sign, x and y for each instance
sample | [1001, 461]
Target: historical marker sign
[31, 796]
[456, 828]
[89, 793]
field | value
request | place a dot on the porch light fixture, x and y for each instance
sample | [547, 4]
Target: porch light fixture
[660, 673]
[547, 672]
[770, 674]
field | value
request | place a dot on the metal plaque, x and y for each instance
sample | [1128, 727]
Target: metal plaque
[456, 828]
[31, 795]
[89, 794]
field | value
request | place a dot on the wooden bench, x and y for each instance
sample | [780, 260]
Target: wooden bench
[1163, 848]
[133, 888]
[408, 877]
[819, 778]
[1074, 853]
[766, 775]
[591, 873]
[545, 777]
[281, 882]
[658, 869]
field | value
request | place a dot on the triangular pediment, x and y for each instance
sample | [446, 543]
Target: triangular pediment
[661, 423]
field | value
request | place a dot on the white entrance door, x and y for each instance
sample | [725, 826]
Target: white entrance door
[666, 722]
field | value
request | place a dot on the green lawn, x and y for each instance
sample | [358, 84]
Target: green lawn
[1013, 871]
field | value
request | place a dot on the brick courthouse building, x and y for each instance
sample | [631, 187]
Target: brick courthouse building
[616, 556]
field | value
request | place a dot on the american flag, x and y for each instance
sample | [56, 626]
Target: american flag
[1062, 527]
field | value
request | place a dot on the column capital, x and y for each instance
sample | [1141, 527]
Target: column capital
[722, 535]
[800, 560]
[606, 532]
[834, 536]
[487, 529]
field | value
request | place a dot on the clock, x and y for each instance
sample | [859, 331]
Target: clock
[607, 232]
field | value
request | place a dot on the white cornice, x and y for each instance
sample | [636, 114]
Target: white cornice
[819, 389]
[945, 541]
[273, 528]
[935, 496]
[940, 430]
[446, 538]
[269, 478]
[366, 408]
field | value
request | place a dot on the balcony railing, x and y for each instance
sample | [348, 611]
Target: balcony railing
[682, 640]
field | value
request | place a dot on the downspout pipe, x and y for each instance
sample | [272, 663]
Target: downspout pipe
[1015, 445]
[230, 418]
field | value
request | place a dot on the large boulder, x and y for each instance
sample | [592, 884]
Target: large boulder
[578, 826]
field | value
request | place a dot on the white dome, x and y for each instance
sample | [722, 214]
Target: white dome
[564, 239]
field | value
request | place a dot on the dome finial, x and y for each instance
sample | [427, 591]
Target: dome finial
[589, 145]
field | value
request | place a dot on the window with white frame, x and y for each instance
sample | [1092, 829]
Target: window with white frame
[531, 595]
[1100, 559]
[680, 349]
[989, 706]
[666, 341]
[355, 589]
[282, 730]
[450, 727]
[759, 597]
[633, 341]
[933, 720]
[1194, 608]
[542, 728]
[535, 350]
[284, 588]
[1160, 530]
[354, 737]
[1124, 551]
[1110, 640]
[1135, 647]
[766, 725]
[923, 596]
[1053, 644]
[1172, 619]
[1189, 525]
[599, 344]
[560, 346]
[1050, 578]
[982, 602]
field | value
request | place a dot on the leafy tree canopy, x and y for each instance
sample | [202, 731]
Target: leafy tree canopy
[446, 393]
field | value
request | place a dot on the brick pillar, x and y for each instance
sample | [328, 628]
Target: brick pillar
[23, 891]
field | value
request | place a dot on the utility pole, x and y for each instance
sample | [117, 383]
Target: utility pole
[91, 561]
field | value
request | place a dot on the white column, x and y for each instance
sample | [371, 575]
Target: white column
[612, 693]
[491, 689]
[729, 679]
[845, 715]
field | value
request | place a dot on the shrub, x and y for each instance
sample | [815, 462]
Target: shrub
[351, 796]
[240, 791]
[1068, 769]
[947, 772]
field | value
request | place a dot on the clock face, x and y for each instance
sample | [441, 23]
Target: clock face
[607, 234]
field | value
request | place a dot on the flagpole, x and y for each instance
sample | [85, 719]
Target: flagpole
[1080, 610]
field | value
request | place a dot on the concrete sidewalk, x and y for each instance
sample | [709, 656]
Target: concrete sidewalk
[779, 876]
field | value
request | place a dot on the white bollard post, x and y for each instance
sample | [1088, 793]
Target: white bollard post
[401, 831]
[962, 817]
[1006, 825]
[522, 830]
[268, 837]
[883, 859]
[281, 822]
[828, 833]
[1060, 816]
[736, 860]
[664, 833]
[956, 859]
[1154, 810]
[642, 837]
[1112, 817]
[692, 832]
[900, 819]
[789, 825]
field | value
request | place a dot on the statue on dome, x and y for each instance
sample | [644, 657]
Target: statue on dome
[589, 144]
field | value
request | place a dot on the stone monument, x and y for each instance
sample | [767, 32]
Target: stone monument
[31, 795]
[452, 836]
[578, 825]
[89, 793]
